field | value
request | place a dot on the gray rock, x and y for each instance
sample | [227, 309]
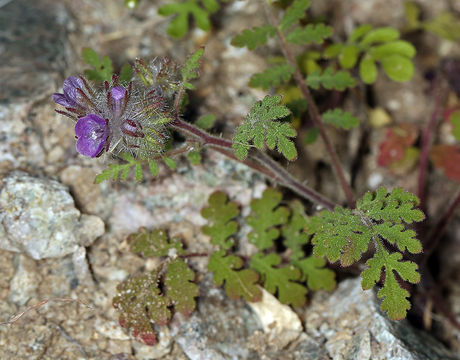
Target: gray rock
[38, 217]
[25, 281]
[351, 326]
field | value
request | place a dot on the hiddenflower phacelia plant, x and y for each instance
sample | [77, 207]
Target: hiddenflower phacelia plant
[118, 118]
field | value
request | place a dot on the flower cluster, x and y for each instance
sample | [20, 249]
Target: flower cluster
[118, 118]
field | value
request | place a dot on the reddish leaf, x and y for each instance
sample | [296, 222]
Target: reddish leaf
[397, 140]
[447, 158]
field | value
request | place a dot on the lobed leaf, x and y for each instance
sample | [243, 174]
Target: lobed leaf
[339, 80]
[180, 288]
[238, 282]
[294, 13]
[140, 303]
[293, 231]
[272, 77]
[266, 215]
[102, 68]
[281, 281]
[155, 243]
[317, 275]
[254, 37]
[190, 69]
[260, 128]
[447, 158]
[394, 297]
[121, 171]
[309, 34]
[340, 119]
[219, 214]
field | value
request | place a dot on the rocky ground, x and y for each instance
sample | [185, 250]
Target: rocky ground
[77, 253]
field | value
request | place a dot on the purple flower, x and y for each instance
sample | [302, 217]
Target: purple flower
[118, 97]
[71, 97]
[92, 132]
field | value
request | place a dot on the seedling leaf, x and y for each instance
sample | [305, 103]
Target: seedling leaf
[180, 289]
[219, 214]
[155, 243]
[266, 215]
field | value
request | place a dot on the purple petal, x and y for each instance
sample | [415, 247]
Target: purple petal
[61, 100]
[92, 132]
[71, 84]
[117, 95]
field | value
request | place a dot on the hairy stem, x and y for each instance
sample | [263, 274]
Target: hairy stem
[314, 114]
[257, 160]
[439, 94]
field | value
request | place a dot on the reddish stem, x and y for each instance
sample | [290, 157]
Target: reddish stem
[315, 115]
[257, 160]
[426, 144]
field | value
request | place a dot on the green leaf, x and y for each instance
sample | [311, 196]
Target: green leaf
[368, 70]
[311, 136]
[309, 34]
[185, 9]
[170, 163]
[153, 166]
[206, 121]
[91, 57]
[330, 80]
[333, 51]
[280, 280]
[394, 297]
[238, 283]
[190, 69]
[254, 37]
[155, 243]
[446, 25]
[272, 77]
[398, 47]
[103, 69]
[455, 121]
[140, 303]
[359, 32]
[380, 35]
[126, 74]
[294, 13]
[194, 157]
[121, 171]
[180, 289]
[349, 56]
[412, 12]
[293, 231]
[398, 68]
[317, 275]
[219, 214]
[398, 206]
[340, 119]
[260, 128]
[266, 215]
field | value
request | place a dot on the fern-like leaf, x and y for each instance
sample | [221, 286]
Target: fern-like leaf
[155, 243]
[381, 216]
[394, 297]
[280, 280]
[309, 34]
[121, 171]
[261, 128]
[272, 77]
[190, 69]
[340, 119]
[294, 13]
[339, 80]
[219, 214]
[266, 215]
[180, 288]
[238, 282]
[254, 37]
